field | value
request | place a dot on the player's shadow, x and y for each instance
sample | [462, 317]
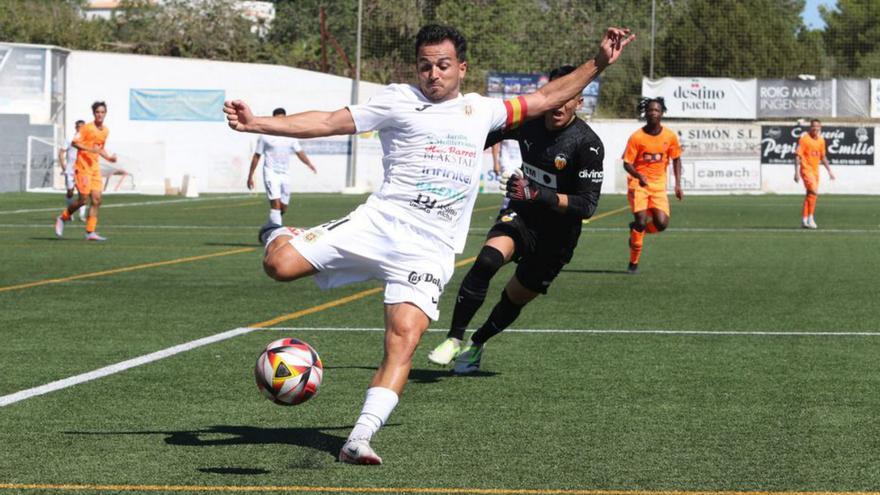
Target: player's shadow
[421, 375]
[435, 375]
[224, 435]
[600, 272]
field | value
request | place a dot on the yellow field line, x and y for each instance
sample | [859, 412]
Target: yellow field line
[342, 489]
[123, 269]
[606, 214]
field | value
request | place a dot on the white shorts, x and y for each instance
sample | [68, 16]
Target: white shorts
[69, 181]
[368, 244]
[277, 185]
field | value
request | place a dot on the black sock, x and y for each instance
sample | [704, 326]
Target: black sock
[473, 289]
[503, 314]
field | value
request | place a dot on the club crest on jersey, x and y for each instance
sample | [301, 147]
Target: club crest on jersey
[560, 161]
[508, 217]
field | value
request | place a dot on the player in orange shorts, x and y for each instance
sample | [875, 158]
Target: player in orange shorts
[811, 151]
[89, 143]
[647, 155]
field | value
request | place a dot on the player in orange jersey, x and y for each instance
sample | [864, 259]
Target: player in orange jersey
[811, 151]
[89, 142]
[646, 158]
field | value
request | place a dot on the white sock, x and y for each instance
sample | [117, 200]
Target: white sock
[806, 219]
[275, 216]
[378, 405]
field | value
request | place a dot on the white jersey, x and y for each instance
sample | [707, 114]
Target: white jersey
[276, 151]
[509, 155]
[433, 156]
[70, 158]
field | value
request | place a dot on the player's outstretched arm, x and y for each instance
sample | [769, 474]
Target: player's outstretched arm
[300, 125]
[555, 93]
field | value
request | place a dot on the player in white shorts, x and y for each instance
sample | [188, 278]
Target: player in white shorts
[506, 157]
[276, 151]
[67, 161]
[407, 233]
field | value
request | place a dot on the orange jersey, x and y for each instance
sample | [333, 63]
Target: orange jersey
[811, 152]
[90, 136]
[650, 155]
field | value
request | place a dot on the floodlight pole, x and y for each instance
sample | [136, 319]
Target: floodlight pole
[653, 32]
[351, 172]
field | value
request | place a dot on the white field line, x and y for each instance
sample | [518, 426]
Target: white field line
[155, 356]
[593, 331]
[121, 366]
[140, 203]
[481, 230]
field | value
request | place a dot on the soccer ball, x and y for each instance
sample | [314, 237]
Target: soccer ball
[288, 372]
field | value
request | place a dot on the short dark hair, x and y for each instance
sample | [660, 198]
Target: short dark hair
[279, 111]
[644, 102]
[562, 70]
[78, 122]
[97, 104]
[433, 34]
[816, 121]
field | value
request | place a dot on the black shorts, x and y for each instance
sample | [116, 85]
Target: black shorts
[540, 253]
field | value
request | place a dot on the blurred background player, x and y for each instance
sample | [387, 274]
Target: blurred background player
[558, 186]
[89, 142]
[811, 151]
[407, 232]
[506, 157]
[67, 161]
[645, 159]
[276, 151]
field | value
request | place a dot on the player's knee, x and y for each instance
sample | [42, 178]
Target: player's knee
[488, 262]
[278, 266]
[639, 224]
[96, 202]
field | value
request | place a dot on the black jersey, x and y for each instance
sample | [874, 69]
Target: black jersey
[568, 161]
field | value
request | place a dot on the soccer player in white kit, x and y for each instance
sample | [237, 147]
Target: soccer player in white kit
[276, 151]
[67, 161]
[407, 233]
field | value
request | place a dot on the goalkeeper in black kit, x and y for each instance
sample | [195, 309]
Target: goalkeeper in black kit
[558, 186]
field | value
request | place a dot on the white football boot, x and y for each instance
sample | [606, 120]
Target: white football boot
[358, 451]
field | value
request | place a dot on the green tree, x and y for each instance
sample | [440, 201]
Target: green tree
[852, 37]
[734, 38]
[50, 22]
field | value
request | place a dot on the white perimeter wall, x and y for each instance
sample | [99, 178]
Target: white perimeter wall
[219, 157]
[210, 151]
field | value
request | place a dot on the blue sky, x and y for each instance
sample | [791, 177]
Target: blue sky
[811, 13]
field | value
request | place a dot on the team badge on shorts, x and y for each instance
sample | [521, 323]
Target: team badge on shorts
[313, 235]
[560, 161]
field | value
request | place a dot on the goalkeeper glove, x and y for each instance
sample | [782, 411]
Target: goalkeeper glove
[520, 188]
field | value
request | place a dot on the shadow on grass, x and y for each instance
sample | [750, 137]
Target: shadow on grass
[434, 375]
[312, 438]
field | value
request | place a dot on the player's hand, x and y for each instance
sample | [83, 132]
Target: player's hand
[831, 174]
[679, 194]
[112, 158]
[250, 183]
[238, 115]
[642, 181]
[520, 188]
[797, 178]
[612, 45]
[504, 178]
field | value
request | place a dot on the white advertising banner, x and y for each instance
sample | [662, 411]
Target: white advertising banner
[875, 98]
[705, 97]
[719, 175]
